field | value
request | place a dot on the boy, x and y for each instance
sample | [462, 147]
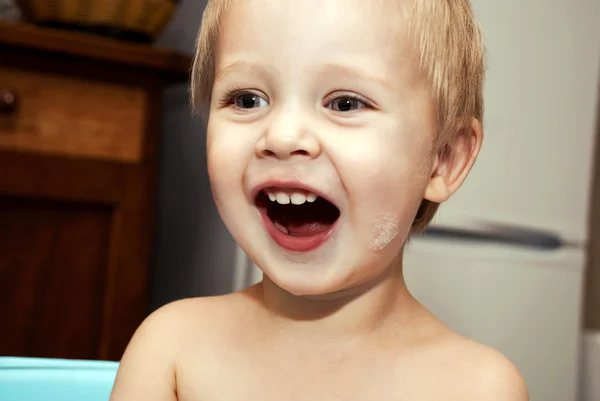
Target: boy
[335, 129]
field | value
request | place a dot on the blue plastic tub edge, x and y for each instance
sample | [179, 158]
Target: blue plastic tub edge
[47, 363]
[37, 379]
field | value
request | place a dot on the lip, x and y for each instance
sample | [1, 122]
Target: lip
[296, 244]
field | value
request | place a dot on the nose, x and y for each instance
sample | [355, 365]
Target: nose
[286, 136]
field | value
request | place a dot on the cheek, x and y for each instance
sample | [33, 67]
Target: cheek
[227, 158]
[382, 166]
[385, 178]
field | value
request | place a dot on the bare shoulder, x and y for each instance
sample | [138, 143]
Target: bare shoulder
[484, 373]
[443, 365]
[173, 323]
[189, 322]
[149, 367]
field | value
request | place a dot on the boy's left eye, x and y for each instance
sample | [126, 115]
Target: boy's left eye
[346, 103]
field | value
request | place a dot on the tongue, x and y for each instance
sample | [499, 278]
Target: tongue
[306, 228]
[303, 220]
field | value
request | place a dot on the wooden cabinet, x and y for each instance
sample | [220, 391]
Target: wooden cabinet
[79, 129]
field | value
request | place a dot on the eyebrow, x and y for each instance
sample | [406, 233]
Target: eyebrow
[357, 72]
[234, 67]
[341, 69]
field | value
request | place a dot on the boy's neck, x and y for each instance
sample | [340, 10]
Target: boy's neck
[351, 315]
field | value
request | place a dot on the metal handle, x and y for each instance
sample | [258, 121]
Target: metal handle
[9, 102]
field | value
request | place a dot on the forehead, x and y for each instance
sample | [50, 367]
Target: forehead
[295, 34]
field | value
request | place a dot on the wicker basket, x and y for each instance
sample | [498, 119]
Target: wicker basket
[134, 20]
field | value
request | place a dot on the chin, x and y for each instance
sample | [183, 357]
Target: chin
[298, 279]
[329, 280]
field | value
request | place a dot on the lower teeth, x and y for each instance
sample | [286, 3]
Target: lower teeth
[281, 228]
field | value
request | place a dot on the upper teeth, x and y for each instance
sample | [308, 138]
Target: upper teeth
[296, 198]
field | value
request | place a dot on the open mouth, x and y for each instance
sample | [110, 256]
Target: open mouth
[297, 219]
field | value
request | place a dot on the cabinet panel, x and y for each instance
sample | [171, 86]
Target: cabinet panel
[53, 258]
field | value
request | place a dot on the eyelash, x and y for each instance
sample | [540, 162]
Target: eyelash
[341, 95]
[230, 95]
[228, 98]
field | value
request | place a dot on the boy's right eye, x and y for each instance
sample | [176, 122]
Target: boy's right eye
[249, 100]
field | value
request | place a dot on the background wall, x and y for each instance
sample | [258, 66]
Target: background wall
[194, 254]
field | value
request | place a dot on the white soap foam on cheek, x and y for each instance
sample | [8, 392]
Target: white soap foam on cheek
[384, 230]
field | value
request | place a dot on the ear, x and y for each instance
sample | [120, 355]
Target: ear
[453, 163]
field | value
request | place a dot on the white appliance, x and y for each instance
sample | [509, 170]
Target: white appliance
[504, 260]
[522, 301]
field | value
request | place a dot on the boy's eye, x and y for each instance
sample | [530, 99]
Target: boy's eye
[346, 103]
[249, 101]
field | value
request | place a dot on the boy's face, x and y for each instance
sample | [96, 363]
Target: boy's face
[318, 96]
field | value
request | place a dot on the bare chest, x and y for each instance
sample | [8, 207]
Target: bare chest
[274, 379]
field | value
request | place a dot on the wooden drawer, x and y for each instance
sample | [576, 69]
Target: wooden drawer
[74, 117]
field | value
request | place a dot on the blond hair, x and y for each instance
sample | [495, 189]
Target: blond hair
[449, 44]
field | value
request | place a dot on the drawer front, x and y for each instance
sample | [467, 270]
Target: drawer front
[59, 115]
